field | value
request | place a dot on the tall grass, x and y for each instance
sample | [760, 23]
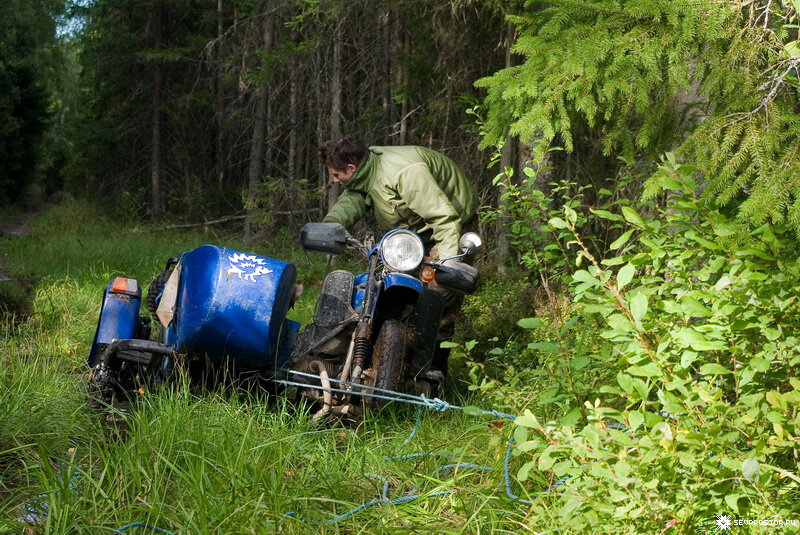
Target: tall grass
[200, 461]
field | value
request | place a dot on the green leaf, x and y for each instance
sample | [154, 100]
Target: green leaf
[632, 217]
[648, 370]
[548, 347]
[714, 369]
[614, 261]
[633, 386]
[561, 468]
[622, 240]
[472, 411]
[733, 501]
[693, 308]
[570, 214]
[722, 283]
[687, 358]
[584, 276]
[523, 473]
[726, 229]
[622, 468]
[625, 275]
[635, 419]
[605, 214]
[792, 48]
[530, 323]
[558, 223]
[571, 418]
[527, 419]
[639, 307]
[697, 341]
[750, 469]
[579, 363]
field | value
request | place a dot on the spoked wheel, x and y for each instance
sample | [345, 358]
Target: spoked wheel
[389, 360]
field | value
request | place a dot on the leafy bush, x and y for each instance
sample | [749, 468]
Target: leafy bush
[700, 418]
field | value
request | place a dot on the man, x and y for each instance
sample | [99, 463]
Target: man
[407, 187]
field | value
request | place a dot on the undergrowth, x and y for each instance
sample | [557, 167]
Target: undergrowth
[665, 396]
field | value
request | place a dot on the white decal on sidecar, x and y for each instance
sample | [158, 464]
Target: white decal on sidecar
[247, 267]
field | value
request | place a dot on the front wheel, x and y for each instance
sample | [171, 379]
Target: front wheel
[389, 359]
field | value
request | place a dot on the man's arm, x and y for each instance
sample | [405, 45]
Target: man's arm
[349, 208]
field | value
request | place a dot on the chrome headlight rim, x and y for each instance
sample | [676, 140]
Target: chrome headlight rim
[402, 250]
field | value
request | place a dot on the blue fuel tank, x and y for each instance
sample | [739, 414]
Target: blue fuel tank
[233, 305]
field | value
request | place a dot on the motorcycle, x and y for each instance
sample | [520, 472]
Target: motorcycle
[225, 310]
[376, 331]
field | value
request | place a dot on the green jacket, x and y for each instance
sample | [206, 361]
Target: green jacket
[410, 187]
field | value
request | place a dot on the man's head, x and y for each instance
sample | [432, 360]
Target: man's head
[342, 157]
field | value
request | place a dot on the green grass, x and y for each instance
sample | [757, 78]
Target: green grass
[198, 461]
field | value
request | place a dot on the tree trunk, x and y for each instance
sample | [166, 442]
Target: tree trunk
[386, 77]
[336, 103]
[508, 160]
[256, 168]
[155, 146]
[219, 164]
[321, 132]
[402, 73]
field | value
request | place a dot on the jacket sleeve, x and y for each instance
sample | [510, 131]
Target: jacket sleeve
[349, 208]
[417, 186]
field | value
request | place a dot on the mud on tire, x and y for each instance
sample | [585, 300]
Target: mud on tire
[389, 360]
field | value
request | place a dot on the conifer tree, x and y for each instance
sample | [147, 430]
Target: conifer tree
[715, 81]
[27, 55]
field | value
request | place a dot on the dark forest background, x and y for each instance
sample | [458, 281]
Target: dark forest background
[191, 110]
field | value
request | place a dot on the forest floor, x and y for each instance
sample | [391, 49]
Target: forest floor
[14, 227]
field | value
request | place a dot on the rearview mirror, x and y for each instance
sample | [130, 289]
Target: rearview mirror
[328, 238]
[470, 243]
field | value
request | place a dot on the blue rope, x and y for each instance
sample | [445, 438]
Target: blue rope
[418, 419]
[142, 525]
[434, 404]
[465, 465]
[507, 474]
[382, 500]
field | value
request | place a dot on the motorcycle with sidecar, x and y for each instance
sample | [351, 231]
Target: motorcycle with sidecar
[223, 313]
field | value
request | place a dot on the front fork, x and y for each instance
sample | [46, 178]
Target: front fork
[359, 344]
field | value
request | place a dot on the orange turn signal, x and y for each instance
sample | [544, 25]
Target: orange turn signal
[427, 274]
[121, 285]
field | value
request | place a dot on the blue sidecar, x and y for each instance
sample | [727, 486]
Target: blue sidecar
[224, 305]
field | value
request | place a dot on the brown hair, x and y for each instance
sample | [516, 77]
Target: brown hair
[338, 153]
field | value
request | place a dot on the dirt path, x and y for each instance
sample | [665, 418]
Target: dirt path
[13, 228]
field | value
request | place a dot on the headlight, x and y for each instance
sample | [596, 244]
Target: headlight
[402, 250]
